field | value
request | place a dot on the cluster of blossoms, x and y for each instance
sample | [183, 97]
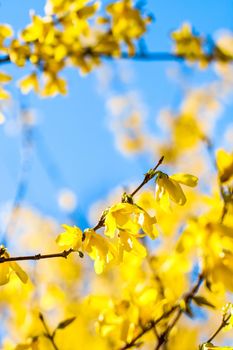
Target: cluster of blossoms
[196, 48]
[154, 283]
[79, 34]
[125, 224]
[70, 34]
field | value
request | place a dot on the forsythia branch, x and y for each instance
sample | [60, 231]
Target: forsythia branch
[148, 56]
[149, 327]
[139, 56]
[163, 337]
[187, 299]
[148, 176]
[63, 254]
[223, 324]
[48, 333]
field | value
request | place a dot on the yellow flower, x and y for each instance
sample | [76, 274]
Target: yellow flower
[127, 23]
[186, 131]
[168, 187]
[97, 247]
[5, 32]
[28, 83]
[129, 243]
[53, 86]
[127, 20]
[131, 218]
[37, 30]
[186, 43]
[30, 345]
[4, 95]
[70, 238]
[225, 165]
[4, 78]
[6, 269]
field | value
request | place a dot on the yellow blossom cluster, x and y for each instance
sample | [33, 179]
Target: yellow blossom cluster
[70, 34]
[125, 224]
[163, 253]
[197, 48]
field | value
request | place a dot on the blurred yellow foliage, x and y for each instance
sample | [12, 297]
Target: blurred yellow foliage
[152, 264]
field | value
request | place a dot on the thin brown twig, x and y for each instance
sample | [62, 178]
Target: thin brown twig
[148, 176]
[47, 333]
[141, 56]
[63, 254]
[149, 56]
[187, 299]
[222, 325]
[149, 326]
[163, 337]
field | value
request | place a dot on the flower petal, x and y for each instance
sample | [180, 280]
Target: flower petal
[175, 191]
[185, 179]
[225, 165]
[70, 238]
[4, 273]
[165, 202]
[19, 271]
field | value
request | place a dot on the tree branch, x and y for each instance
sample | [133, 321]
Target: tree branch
[163, 337]
[187, 299]
[47, 333]
[223, 324]
[148, 176]
[63, 254]
[148, 56]
[149, 327]
[144, 56]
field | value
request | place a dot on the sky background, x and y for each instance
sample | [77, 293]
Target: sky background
[73, 146]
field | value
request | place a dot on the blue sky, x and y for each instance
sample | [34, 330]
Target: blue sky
[74, 147]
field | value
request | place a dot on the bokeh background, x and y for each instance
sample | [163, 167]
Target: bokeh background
[60, 155]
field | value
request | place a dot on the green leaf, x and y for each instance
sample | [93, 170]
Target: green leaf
[200, 300]
[208, 285]
[65, 323]
[188, 311]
